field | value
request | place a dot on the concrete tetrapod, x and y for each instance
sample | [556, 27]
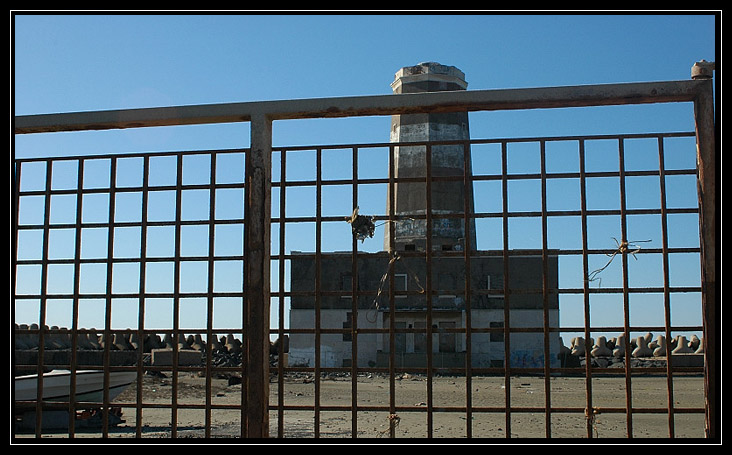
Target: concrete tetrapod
[682, 346]
[578, 346]
[600, 348]
[660, 349]
[642, 349]
[233, 345]
[619, 350]
[198, 344]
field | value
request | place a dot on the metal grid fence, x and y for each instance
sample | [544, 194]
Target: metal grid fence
[667, 288]
[144, 225]
[253, 192]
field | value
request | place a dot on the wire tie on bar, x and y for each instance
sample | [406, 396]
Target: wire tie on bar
[590, 415]
[621, 248]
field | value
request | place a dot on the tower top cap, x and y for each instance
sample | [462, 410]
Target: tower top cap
[429, 71]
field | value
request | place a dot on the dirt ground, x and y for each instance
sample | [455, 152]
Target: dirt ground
[373, 390]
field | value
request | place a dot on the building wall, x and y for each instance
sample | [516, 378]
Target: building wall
[488, 349]
[525, 280]
[448, 308]
[335, 349]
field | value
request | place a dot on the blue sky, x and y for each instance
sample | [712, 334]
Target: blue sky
[66, 63]
[87, 62]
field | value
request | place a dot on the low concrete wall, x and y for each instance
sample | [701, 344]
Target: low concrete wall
[186, 357]
[687, 360]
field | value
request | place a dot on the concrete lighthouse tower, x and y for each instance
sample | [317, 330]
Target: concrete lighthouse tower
[449, 197]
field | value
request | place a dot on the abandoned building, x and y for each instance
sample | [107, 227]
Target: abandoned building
[452, 242]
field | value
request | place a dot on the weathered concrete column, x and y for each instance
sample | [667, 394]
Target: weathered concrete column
[448, 197]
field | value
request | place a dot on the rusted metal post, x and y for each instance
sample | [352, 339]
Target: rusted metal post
[707, 187]
[257, 277]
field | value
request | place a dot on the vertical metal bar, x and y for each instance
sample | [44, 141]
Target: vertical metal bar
[626, 302]
[506, 303]
[176, 293]
[467, 251]
[428, 284]
[318, 296]
[281, 288]
[108, 295]
[14, 245]
[666, 292]
[142, 300]
[14, 272]
[392, 310]
[545, 292]
[257, 275]
[354, 303]
[210, 291]
[707, 188]
[44, 299]
[585, 282]
[75, 299]
[587, 334]
[706, 164]
[245, 333]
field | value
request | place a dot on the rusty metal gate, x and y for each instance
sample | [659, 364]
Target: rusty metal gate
[196, 211]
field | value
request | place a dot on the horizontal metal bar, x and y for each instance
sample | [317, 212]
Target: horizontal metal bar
[452, 101]
[482, 409]
[497, 140]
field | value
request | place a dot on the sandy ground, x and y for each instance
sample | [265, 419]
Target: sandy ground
[373, 390]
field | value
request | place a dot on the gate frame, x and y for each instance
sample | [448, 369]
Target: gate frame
[699, 91]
